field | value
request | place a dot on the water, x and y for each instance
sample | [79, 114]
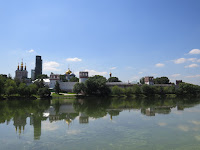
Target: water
[100, 124]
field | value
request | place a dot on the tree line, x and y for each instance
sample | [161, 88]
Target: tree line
[15, 88]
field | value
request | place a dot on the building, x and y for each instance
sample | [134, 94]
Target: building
[149, 80]
[21, 73]
[32, 74]
[83, 76]
[178, 82]
[38, 66]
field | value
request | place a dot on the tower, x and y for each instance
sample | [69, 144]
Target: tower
[83, 76]
[38, 66]
[21, 73]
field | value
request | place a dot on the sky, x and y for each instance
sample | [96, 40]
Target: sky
[130, 38]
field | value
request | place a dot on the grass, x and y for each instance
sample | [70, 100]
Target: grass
[54, 95]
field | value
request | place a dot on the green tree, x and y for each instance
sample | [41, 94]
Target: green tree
[117, 90]
[22, 89]
[79, 88]
[42, 76]
[33, 89]
[2, 83]
[10, 87]
[57, 88]
[44, 92]
[74, 79]
[142, 80]
[161, 80]
[128, 91]
[148, 90]
[97, 86]
[136, 89]
[113, 79]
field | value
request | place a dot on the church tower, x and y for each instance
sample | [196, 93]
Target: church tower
[21, 73]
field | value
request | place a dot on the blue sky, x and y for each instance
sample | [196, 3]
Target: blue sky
[130, 38]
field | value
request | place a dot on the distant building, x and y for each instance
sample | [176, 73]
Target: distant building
[38, 66]
[32, 74]
[83, 76]
[21, 73]
[149, 80]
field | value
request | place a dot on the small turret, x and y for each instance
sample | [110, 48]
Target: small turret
[110, 74]
[25, 67]
[22, 65]
[18, 67]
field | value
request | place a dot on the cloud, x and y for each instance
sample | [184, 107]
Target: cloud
[140, 72]
[180, 61]
[113, 68]
[31, 51]
[195, 122]
[74, 59]
[94, 72]
[160, 65]
[192, 66]
[194, 76]
[194, 51]
[183, 128]
[51, 66]
[175, 75]
[162, 124]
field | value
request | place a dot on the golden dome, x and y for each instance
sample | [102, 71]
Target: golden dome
[68, 71]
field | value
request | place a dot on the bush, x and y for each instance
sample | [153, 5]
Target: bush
[136, 89]
[117, 90]
[79, 88]
[44, 92]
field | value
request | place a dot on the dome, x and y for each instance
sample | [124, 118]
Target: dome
[68, 71]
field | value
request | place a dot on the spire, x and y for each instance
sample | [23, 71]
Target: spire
[110, 74]
[22, 65]
[18, 67]
[25, 67]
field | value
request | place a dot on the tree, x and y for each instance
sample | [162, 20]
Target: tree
[44, 92]
[117, 90]
[42, 76]
[97, 86]
[74, 79]
[148, 90]
[136, 89]
[2, 83]
[142, 80]
[128, 91]
[161, 80]
[33, 89]
[79, 88]
[22, 89]
[10, 87]
[57, 88]
[113, 79]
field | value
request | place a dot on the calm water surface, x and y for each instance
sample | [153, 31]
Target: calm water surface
[100, 124]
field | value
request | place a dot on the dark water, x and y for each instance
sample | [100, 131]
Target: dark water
[99, 124]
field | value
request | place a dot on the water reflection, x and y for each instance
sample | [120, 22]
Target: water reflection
[83, 109]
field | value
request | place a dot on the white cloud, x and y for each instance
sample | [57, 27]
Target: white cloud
[113, 68]
[183, 60]
[194, 76]
[94, 72]
[74, 59]
[31, 51]
[175, 75]
[180, 61]
[192, 66]
[194, 51]
[160, 65]
[140, 72]
[51, 66]
[183, 128]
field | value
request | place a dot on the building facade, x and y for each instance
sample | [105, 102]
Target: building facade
[83, 76]
[21, 72]
[38, 66]
[149, 80]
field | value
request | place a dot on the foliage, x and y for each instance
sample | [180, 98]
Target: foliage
[42, 76]
[74, 79]
[2, 82]
[44, 92]
[128, 91]
[142, 80]
[148, 90]
[57, 88]
[188, 89]
[96, 85]
[161, 80]
[117, 90]
[10, 87]
[113, 79]
[79, 88]
[136, 89]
